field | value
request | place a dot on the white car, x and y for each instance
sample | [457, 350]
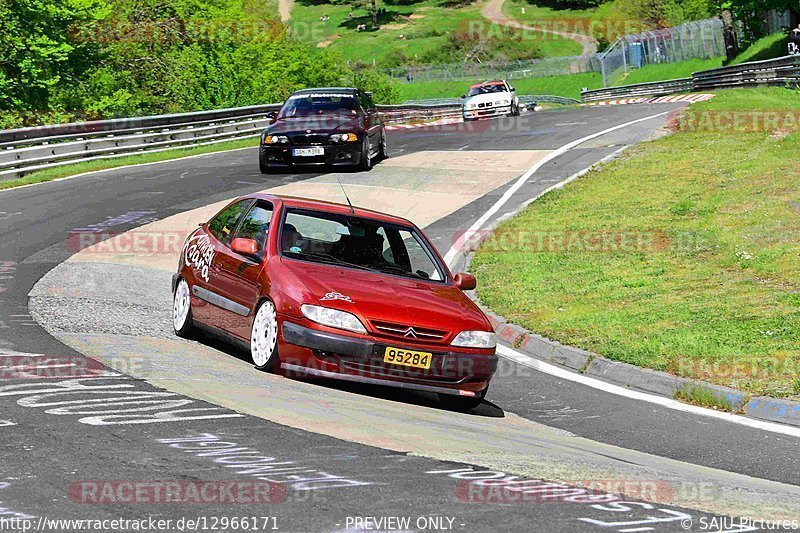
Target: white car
[490, 99]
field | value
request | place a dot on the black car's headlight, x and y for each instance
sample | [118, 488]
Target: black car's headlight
[344, 137]
[275, 139]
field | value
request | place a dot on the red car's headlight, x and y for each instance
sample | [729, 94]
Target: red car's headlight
[475, 339]
[333, 318]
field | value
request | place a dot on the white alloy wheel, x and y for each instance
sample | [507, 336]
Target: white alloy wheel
[182, 308]
[264, 336]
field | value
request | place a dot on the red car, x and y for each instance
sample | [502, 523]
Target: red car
[320, 289]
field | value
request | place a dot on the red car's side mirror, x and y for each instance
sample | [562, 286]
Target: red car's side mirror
[244, 246]
[466, 282]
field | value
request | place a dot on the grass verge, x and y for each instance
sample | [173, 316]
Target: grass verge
[707, 398]
[767, 47]
[682, 256]
[137, 159]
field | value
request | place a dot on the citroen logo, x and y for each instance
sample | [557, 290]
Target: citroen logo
[411, 333]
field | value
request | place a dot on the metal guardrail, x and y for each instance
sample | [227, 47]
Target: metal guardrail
[661, 88]
[26, 150]
[783, 71]
[525, 99]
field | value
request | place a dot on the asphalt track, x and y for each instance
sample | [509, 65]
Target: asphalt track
[369, 451]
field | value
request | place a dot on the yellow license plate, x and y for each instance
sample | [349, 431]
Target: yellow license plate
[398, 356]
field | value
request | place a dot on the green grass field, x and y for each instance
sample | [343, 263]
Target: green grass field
[670, 71]
[569, 86]
[765, 48]
[682, 256]
[426, 27]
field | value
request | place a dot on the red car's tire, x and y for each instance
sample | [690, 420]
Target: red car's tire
[182, 309]
[264, 337]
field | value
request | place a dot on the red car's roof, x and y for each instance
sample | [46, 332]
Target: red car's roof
[330, 207]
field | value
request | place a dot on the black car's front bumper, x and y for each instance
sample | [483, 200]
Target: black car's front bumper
[281, 155]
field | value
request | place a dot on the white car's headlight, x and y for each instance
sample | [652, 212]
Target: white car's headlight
[332, 318]
[504, 102]
[475, 339]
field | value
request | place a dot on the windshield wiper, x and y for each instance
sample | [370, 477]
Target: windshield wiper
[327, 258]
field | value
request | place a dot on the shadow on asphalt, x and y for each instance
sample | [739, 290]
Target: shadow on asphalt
[485, 409]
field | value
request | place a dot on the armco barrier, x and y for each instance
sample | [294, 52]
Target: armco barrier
[27, 150]
[783, 71]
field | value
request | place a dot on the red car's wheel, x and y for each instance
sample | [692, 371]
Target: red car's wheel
[264, 337]
[182, 309]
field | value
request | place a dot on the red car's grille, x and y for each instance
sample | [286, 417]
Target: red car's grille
[409, 333]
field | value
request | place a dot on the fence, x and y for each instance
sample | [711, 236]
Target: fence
[695, 40]
[781, 72]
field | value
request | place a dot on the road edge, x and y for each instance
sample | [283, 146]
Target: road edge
[624, 374]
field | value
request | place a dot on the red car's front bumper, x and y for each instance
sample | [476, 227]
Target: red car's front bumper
[314, 352]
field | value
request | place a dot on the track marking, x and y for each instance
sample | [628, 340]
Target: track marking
[458, 246]
[663, 401]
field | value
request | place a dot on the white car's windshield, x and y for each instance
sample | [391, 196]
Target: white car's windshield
[486, 89]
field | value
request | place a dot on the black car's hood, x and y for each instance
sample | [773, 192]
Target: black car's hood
[334, 123]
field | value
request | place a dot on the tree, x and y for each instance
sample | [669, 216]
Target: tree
[38, 52]
[751, 13]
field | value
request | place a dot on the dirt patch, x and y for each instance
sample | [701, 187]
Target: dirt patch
[394, 26]
[417, 16]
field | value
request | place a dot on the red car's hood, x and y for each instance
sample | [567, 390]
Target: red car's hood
[388, 298]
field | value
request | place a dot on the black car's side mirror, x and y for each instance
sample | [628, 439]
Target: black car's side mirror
[272, 115]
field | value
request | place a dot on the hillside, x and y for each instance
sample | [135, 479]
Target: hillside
[419, 32]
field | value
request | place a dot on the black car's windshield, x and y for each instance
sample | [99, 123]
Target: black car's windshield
[486, 89]
[310, 104]
[358, 242]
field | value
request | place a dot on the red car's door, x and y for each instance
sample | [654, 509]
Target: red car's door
[206, 284]
[239, 275]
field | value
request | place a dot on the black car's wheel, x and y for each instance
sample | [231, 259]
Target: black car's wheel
[383, 152]
[462, 403]
[366, 155]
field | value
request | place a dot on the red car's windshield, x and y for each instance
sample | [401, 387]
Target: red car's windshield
[358, 242]
[303, 105]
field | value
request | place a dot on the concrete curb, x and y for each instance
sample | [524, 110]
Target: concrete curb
[642, 379]
[624, 374]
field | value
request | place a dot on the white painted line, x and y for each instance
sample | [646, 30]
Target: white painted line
[457, 247]
[663, 401]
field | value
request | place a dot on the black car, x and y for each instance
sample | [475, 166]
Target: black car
[330, 126]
